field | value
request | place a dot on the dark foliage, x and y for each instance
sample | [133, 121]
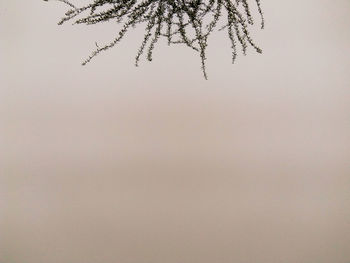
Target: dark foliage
[187, 22]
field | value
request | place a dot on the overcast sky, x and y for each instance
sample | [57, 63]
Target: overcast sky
[116, 163]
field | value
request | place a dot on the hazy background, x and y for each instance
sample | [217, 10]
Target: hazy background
[117, 164]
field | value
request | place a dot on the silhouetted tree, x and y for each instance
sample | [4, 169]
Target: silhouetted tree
[187, 22]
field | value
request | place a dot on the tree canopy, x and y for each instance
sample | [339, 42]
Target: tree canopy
[187, 22]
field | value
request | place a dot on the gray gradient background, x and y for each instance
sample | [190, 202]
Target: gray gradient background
[113, 163]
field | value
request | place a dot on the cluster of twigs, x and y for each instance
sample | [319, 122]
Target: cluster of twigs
[188, 22]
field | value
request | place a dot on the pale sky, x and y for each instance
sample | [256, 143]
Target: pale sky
[113, 163]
